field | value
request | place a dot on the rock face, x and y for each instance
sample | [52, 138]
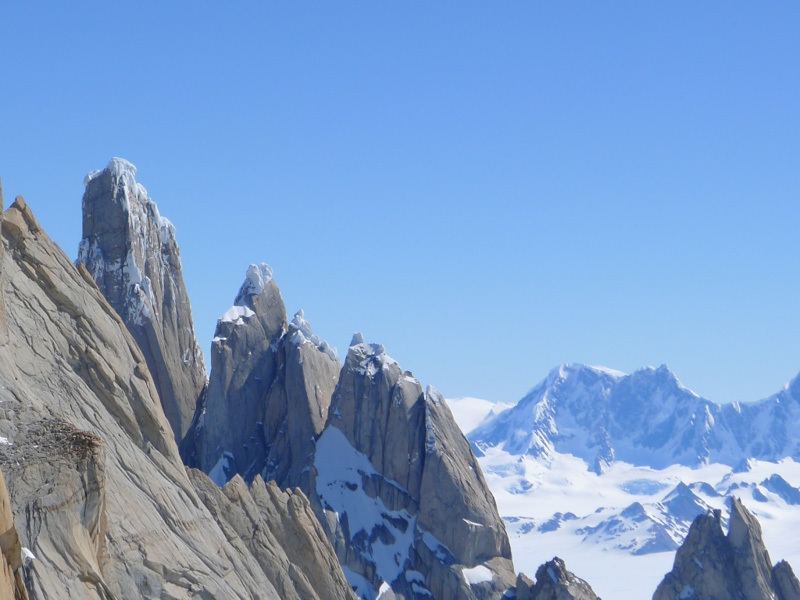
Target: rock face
[11, 563]
[280, 530]
[268, 394]
[554, 582]
[391, 478]
[403, 497]
[98, 492]
[710, 564]
[131, 253]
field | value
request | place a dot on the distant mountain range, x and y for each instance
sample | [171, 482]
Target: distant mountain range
[610, 470]
[646, 418]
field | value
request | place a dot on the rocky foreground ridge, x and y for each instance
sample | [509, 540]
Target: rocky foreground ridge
[307, 478]
[98, 492]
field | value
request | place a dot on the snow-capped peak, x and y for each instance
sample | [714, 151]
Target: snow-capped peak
[258, 276]
[645, 418]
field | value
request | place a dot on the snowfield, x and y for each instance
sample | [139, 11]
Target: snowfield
[619, 529]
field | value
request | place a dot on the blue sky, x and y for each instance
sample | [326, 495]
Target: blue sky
[488, 189]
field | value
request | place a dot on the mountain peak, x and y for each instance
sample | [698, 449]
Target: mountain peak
[257, 277]
[131, 253]
[710, 564]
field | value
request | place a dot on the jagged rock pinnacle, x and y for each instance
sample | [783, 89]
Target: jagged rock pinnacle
[131, 253]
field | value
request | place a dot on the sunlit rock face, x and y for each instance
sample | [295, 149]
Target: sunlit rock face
[97, 490]
[131, 253]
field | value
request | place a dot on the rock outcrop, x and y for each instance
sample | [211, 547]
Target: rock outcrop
[269, 390]
[388, 473]
[281, 531]
[11, 562]
[131, 253]
[98, 492]
[554, 582]
[404, 499]
[710, 564]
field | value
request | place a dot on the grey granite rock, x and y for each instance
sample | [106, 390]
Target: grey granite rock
[554, 582]
[404, 501]
[269, 391]
[98, 492]
[710, 564]
[131, 253]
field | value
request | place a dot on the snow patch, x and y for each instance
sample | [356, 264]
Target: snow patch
[258, 276]
[301, 334]
[385, 536]
[4, 441]
[27, 557]
[476, 575]
[237, 315]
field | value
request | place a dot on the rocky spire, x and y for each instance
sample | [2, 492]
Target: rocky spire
[97, 490]
[554, 582]
[710, 564]
[269, 391]
[131, 253]
[404, 499]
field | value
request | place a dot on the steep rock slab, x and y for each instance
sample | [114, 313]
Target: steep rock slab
[710, 564]
[296, 407]
[227, 436]
[404, 500]
[11, 562]
[131, 253]
[280, 530]
[554, 582]
[101, 499]
[268, 394]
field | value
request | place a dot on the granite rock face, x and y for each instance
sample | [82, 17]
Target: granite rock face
[268, 394]
[98, 492]
[280, 530]
[554, 582]
[710, 564]
[12, 586]
[131, 253]
[404, 500]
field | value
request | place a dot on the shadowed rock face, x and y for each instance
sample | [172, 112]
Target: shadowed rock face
[710, 564]
[268, 394]
[554, 582]
[98, 492]
[404, 499]
[131, 253]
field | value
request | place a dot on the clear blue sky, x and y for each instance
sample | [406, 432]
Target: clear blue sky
[488, 189]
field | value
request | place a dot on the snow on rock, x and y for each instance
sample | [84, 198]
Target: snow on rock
[222, 471]
[476, 575]
[300, 333]
[27, 556]
[383, 536]
[236, 315]
[646, 418]
[257, 277]
[372, 357]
